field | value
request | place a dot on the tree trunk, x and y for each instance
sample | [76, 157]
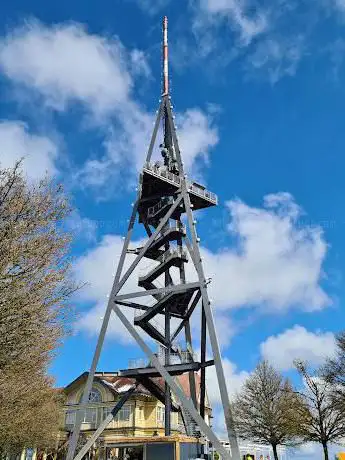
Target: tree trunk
[275, 453]
[325, 451]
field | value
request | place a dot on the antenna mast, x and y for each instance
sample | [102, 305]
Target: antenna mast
[165, 57]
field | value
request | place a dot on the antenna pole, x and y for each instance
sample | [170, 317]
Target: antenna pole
[165, 57]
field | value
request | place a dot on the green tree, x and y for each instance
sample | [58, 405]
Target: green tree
[267, 410]
[35, 290]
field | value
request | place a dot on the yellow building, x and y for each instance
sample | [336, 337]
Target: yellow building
[141, 417]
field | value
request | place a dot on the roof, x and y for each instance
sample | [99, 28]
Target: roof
[120, 385]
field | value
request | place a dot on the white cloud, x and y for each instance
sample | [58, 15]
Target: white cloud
[276, 263]
[277, 57]
[91, 322]
[236, 12]
[339, 5]
[97, 268]
[298, 343]
[38, 152]
[234, 380]
[82, 227]
[150, 7]
[64, 64]
[197, 135]
[311, 451]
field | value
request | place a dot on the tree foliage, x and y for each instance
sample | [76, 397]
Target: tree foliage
[325, 421]
[35, 287]
[267, 410]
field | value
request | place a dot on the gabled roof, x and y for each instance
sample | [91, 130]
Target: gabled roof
[114, 383]
[119, 385]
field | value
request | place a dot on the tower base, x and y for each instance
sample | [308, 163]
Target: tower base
[176, 447]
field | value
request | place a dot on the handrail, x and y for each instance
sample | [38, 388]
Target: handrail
[160, 171]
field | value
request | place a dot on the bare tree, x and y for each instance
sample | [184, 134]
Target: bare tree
[325, 420]
[334, 371]
[267, 410]
[35, 288]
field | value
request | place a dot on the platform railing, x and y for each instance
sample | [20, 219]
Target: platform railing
[183, 357]
[161, 171]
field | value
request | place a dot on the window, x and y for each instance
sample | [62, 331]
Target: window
[141, 413]
[106, 412]
[95, 395]
[160, 415]
[124, 414]
[90, 416]
[70, 417]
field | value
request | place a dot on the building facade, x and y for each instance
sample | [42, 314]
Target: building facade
[141, 417]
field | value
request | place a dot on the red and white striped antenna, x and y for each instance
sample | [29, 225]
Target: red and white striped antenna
[165, 57]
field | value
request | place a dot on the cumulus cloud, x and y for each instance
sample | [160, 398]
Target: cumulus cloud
[197, 135]
[233, 377]
[276, 263]
[39, 153]
[64, 64]
[97, 268]
[298, 343]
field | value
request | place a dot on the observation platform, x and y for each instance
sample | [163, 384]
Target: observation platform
[173, 369]
[158, 182]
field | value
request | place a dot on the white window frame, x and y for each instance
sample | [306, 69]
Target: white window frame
[124, 414]
[141, 412]
[93, 418]
[160, 415]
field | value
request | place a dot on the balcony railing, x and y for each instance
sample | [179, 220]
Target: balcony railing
[160, 171]
[183, 357]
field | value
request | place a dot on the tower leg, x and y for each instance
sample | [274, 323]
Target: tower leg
[79, 416]
[189, 344]
[186, 402]
[195, 254]
[167, 420]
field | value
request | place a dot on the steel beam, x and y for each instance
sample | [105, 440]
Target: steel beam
[186, 402]
[203, 359]
[85, 398]
[105, 423]
[192, 388]
[141, 254]
[164, 290]
[155, 130]
[208, 312]
[188, 315]
[229, 421]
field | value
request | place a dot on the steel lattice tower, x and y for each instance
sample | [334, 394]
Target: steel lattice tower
[165, 204]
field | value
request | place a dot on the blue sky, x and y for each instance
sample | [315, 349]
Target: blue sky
[258, 94]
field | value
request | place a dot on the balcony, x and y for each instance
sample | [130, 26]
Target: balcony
[156, 180]
[182, 357]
